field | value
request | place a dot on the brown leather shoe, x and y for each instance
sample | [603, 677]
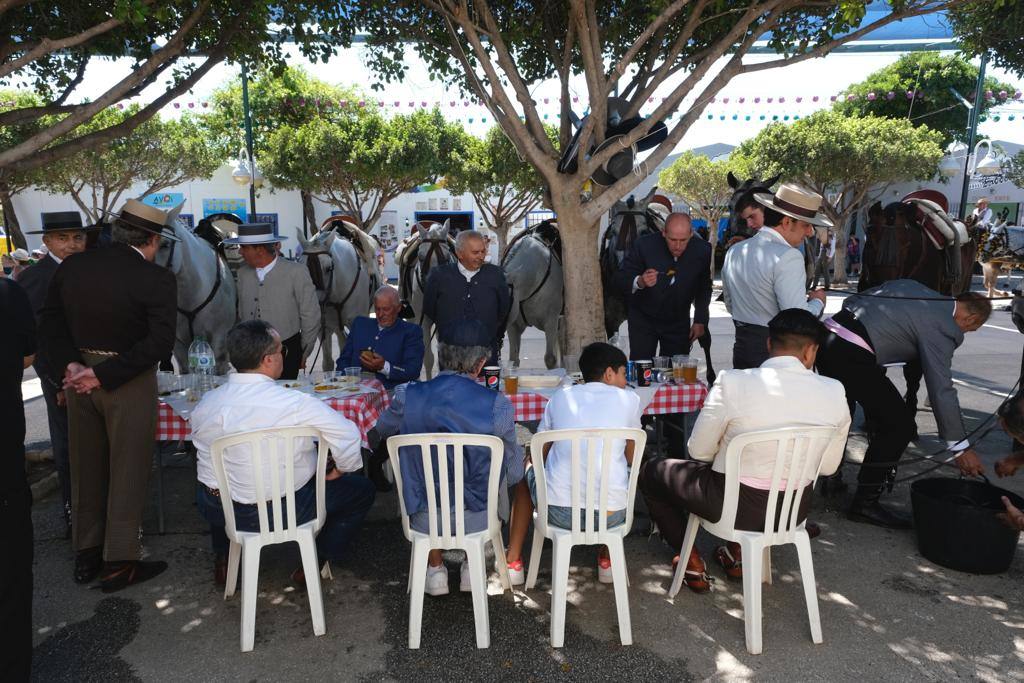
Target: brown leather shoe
[119, 575]
[812, 529]
[220, 570]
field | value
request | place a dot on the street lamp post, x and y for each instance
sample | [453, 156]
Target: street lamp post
[979, 93]
[247, 115]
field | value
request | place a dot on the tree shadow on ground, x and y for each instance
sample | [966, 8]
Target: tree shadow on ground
[89, 650]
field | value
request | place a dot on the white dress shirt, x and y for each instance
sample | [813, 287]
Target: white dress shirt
[780, 393]
[261, 273]
[764, 275]
[59, 261]
[466, 272]
[588, 406]
[249, 401]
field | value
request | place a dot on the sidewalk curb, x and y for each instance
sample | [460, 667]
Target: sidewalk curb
[44, 486]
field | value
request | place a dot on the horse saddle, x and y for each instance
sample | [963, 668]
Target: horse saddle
[546, 232]
[942, 231]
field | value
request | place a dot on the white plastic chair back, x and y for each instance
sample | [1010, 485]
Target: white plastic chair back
[269, 449]
[589, 449]
[799, 451]
[433, 451]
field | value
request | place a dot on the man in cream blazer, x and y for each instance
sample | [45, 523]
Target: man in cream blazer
[279, 291]
[783, 392]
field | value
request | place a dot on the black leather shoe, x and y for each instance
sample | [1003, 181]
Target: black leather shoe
[873, 512]
[88, 563]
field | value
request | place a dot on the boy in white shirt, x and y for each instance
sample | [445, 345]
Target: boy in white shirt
[603, 401]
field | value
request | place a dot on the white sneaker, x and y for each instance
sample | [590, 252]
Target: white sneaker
[604, 571]
[516, 573]
[437, 580]
[465, 585]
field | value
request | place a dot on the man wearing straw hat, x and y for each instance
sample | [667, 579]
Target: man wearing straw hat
[63, 234]
[109, 318]
[279, 291]
[765, 274]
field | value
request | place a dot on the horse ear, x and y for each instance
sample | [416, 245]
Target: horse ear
[768, 182]
[650, 195]
[732, 180]
[303, 242]
[447, 225]
[329, 240]
[422, 231]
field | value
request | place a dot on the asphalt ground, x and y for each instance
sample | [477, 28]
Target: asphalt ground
[887, 613]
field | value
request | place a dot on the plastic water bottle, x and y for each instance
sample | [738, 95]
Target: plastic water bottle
[202, 364]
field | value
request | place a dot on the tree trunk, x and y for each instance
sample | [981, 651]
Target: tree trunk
[584, 299]
[500, 231]
[309, 224]
[842, 231]
[13, 227]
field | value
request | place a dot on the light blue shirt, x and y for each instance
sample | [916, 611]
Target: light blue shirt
[762, 276]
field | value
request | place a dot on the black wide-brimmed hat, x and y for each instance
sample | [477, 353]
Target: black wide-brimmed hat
[135, 214]
[62, 221]
[255, 233]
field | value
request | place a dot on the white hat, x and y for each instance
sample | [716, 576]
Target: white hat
[255, 233]
[20, 255]
[796, 202]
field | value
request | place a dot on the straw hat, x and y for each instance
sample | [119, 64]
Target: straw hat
[796, 202]
[255, 233]
[135, 214]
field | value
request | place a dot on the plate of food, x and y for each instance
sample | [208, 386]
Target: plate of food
[325, 387]
[539, 381]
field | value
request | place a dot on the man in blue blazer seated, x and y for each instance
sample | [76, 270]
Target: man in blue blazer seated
[388, 346]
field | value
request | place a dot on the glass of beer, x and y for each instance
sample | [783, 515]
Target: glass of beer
[690, 371]
[511, 379]
[678, 376]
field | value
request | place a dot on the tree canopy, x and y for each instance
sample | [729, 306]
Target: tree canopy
[929, 76]
[158, 154]
[505, 187]
[49, 45]
[845, 159]
[993, 26]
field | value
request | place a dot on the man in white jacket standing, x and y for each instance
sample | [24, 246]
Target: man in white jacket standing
[783, 392]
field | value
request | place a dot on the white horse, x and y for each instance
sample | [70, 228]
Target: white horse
[207, 295]
[430, 246]
[533, 267]
[345, 276]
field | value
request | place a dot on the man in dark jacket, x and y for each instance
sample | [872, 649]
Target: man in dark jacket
[64, 235]
[663, 275]
[109, 318]
[469, 289]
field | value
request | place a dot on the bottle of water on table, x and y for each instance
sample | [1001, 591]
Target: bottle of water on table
[200, 353]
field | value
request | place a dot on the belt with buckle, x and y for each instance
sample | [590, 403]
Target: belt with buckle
[97, 352]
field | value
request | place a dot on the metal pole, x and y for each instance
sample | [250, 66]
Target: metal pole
[972, 131]
[247, 115]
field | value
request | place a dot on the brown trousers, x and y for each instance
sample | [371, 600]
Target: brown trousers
[673, 488]
[111, 436]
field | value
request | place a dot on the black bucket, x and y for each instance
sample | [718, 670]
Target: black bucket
[957, 527]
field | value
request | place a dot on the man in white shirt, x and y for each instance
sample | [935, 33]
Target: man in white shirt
[603, 401]
[765, 274]
[783, 392]
[982, 214]
[252, 400]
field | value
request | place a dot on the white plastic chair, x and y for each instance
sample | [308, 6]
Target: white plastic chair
[430, 445]
[799, 453]
[594, 498]
[269, 448]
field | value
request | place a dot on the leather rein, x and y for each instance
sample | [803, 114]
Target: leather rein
[190, 314]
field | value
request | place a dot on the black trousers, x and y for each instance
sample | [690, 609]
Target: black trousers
[57, 416]
[648, 335]
[16, 583]
[674, 488]
[751, 346]
[294, 357]
[865, 382]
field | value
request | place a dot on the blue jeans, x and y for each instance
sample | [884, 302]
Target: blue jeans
[562, 516]
[346, 499]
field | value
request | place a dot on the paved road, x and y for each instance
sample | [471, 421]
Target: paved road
[887, 613]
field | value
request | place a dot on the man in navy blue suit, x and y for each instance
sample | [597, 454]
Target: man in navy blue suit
[388, 346]
[665, 273]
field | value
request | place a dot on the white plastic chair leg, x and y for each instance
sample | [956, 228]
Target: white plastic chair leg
[766, 565]
[234, 555]
[536, 550]
[501, 563]
[803, 549]
[478, 582]
[418, 574]
[559, 589]
[620, 579]
[412, 568]
[689, 537]
[250, 583]
[311, 568]
[752, 559]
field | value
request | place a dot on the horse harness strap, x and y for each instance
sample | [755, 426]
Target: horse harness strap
[190, 315]
[543, 281]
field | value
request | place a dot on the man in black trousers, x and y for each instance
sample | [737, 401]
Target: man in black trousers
[662, 277]
[17, 350]
[469, 289]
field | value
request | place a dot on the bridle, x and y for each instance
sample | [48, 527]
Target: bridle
[190, 314]
[316, 273]
[439, 250]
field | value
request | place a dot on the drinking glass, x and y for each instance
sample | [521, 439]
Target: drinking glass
[662, 363]
[678, 362]
[690, 371]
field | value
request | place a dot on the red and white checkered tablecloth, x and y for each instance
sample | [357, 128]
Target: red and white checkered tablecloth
[669, 398]
[362, 409]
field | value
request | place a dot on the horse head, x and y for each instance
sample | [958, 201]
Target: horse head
[628, 219]
[742, 190]
[436, 246]
[319, 262]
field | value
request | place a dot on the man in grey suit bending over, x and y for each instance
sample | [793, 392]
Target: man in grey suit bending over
[897, 322]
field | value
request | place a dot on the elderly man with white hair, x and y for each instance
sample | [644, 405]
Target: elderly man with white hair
[386, 345]
[470, 289]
